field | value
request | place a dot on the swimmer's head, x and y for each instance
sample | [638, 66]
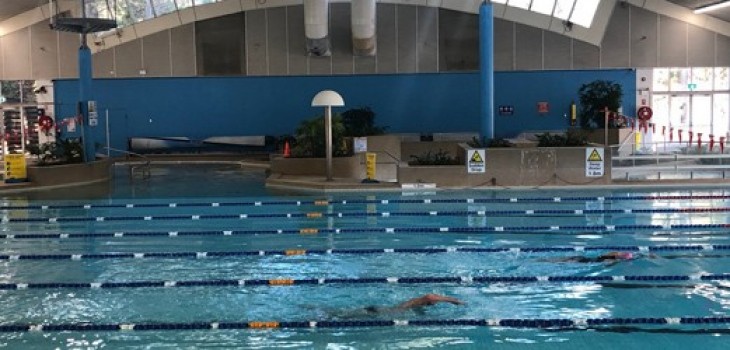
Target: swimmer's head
[624, 255]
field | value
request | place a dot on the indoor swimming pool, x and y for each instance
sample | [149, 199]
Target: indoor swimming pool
[273, 271]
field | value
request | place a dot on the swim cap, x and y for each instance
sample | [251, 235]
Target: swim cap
[625, 255]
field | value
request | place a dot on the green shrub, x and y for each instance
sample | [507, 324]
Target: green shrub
[360, 122]
[440, 157]
[572, 138]
[65, 151]
[594, 98]
[492, 143]
[310, 140]
[309, 137]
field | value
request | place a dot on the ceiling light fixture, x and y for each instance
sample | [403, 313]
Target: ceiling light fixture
[713, 7]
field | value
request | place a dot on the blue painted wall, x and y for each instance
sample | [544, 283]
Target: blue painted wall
[524, 90]
[418, 103]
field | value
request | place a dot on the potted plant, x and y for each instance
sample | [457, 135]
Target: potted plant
[360, 122]
[572, 138]
[310, 140]
[594, 98]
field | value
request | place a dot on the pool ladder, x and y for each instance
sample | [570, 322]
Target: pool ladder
[143, 169]
[138, 168]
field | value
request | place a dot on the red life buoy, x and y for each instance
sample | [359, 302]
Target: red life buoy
[45, 123]
[644, 113]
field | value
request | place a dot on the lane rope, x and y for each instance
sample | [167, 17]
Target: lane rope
[373, 251]
[319, 215]
[572, 229]
[540, 323]
[324, 202]
[466, 280]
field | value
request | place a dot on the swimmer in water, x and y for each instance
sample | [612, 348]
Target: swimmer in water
[610, 257]
[416, 304]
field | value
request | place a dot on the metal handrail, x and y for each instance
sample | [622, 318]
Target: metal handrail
[395, 159]
[144, 167]
[625, 142]
[670, 157]
[127, 152]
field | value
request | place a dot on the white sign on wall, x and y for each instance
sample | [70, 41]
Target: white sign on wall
[594, 162]
[475, 163]
[93, 114]
[360, 144]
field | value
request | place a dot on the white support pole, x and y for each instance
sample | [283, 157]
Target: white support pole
[328, 139]
[108, 138]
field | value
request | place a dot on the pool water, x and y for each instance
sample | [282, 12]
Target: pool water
[143, 216]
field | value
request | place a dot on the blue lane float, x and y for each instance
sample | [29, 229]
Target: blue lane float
[539, 323]
[569, 229]
[370, 251]
[10, 206]
[461, 280]
[319, 215]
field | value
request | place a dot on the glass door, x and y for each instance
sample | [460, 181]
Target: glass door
[679, 121]
[721, 117]
[701, 116]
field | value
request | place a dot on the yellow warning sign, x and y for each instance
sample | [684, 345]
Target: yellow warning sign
[370, 164]
[594, 162]
[15, 168]
[476, 163]
[595, 157]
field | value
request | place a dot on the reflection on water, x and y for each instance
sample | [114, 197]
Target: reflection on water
[166, 180]
[213, 182]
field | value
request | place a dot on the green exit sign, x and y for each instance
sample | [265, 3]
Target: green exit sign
[692, 86]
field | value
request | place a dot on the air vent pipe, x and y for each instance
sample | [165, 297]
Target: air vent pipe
[316, 24]
[363, 27]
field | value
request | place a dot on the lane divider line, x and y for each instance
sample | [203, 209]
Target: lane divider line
[9, 206]
[319, 215]
[658, 279]
[569, 229]
[535, 323]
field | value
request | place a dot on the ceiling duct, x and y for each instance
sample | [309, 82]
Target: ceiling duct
[363, 27]
[316, 24]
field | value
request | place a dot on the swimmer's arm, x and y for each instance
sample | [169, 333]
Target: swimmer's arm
[428, 299]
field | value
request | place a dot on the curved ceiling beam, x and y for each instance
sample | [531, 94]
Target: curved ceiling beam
[593, 35]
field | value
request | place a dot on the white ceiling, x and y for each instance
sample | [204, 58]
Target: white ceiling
[723, 14]
[10, 8]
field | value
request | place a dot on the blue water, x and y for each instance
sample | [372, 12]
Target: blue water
[180, 185]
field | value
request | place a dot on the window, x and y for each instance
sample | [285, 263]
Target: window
[661, 79]
[692, 99]
[584, 12]
[721, 114]
[164, 6]
[701, 79]
[181, 4]
[523, 4]
[544, 7]
[679, 79]
[563, 8]
[135, 11]
[722, 82]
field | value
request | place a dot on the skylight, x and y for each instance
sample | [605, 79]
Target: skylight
[127, 12]
[584, 11]
[544, 7]
[578, 12]
[523, 4]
